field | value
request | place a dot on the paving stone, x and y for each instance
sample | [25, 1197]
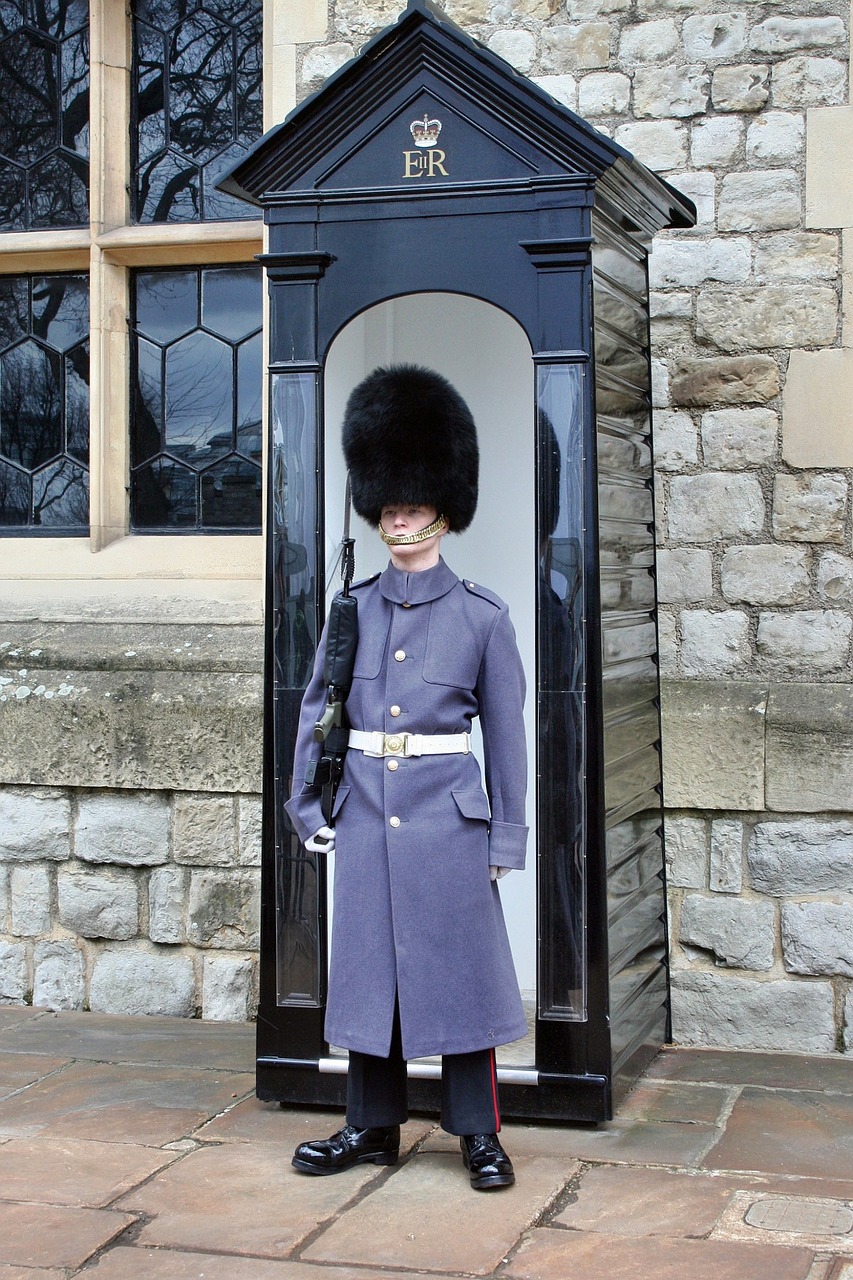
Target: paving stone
[687, 1103]
[122, 1263]
[739, 1067]
[818, 1223]
[148, 1105]
[117, 1038]
[777, 1131]
[553, 1254]
[74, 1172]
[267, 1122]
[260, 1204]
[625, 1140]
[427, 1215]
[647, 1202]
[30, 1273]
[38, 1235]
[20, 1069]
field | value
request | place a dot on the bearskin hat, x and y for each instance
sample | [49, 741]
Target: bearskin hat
[409, 437]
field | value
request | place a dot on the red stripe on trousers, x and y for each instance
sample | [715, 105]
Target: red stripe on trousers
[494, 1079]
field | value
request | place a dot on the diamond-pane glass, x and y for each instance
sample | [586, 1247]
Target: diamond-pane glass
[197, 104]
[44, 115]
[195, 407]
[44, 404]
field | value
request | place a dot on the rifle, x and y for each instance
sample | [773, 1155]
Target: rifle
[332, 729]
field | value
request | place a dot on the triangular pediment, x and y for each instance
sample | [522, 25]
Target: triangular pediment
[425, 109]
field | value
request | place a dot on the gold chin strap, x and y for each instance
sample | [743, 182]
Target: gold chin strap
[409, 539]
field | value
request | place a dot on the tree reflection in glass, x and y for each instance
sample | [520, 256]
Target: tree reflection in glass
[196, 406]
[197, 103]
[44, 115]
[44, 403]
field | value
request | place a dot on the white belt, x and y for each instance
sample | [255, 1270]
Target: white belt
[410, 744]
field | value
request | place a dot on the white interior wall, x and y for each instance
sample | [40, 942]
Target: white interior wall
[487, 357]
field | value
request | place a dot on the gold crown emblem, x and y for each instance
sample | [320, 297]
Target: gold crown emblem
[425, 132]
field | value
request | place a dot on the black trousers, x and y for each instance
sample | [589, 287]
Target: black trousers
[377, 1092]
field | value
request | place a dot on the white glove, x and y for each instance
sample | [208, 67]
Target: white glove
[498, 873]
[322, 841]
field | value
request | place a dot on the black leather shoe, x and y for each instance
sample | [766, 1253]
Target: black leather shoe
[486, 1161]
[347, 1147]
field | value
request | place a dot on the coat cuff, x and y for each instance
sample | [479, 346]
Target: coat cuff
[507, 845]
[306, 814]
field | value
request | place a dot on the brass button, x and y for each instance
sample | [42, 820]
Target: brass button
[393, 764]
[395, 710]
[395, 822]
[400, 655]
[406, 604]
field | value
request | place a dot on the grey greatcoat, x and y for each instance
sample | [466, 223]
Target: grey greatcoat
[415, 911]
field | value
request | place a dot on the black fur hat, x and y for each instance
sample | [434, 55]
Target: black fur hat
[408, 436]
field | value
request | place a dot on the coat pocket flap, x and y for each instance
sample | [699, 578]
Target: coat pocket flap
[472, 804]
[340, 797]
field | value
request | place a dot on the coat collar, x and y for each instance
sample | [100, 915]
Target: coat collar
[417, 588]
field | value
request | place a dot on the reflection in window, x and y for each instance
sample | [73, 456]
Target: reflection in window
[196, 399]
[44, 404]
[44, 114]
[196, 104]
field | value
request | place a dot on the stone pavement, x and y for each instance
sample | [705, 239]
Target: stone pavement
[134, 1147]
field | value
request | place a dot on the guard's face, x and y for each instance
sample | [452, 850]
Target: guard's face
[399, 518]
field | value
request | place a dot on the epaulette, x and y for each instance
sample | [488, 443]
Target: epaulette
[483, 592]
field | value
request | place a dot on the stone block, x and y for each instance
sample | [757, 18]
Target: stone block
[726, 870]
[765, 574]
[809, 508]
[686, 844]
[58, 976]
[681, 263]
[517, 46]
[563, 88]
[809, 82]
[710, 36]
[577, 47]
[670, 305]
[667, 644]
[663, 92]
[835, 579]
[684, 575]
[817, 938]
[700, 186]
[29, 888]
[4, 894]
[817, 391]
[804, 855]
[734, 439]
[250, 830]
[604, 93]
[810, 748]
[675, 440]
[321, 62]
[224, 909]
[713, 744]
[775, 137]
[796, 255]
[724, 380]
[738, 934]
[98, 904]
[719, 504]
[660, 384]
[848, 1048]
[724, 1011]
[813, 640]
[660, 144]
[781, 35]
[13, 973]
[741, 88]
[131, 830]
[204, 831]
[142, 982]
[227, 988]
[714, 643]
[497, 10]
[167, 904]
[716, 141]
[652, 41]
[33, 826]
[768, 316]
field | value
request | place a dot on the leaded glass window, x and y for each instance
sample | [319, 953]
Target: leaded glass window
[196, 404]
[44, 404]
[197, 103]
[44, 114]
